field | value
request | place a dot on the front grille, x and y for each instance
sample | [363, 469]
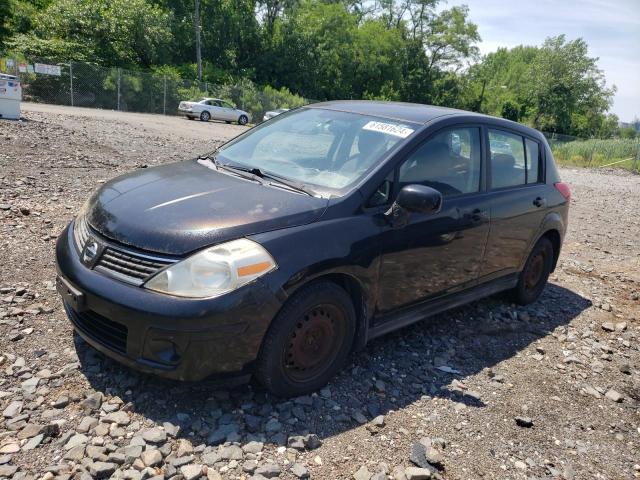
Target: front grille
[129, 266]
[111, 334]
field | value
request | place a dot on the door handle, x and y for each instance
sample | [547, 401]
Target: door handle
[540, 202]
[478, 215]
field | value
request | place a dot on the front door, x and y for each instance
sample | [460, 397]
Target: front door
[437, 254]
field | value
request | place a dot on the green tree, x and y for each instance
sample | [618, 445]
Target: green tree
[109, 32]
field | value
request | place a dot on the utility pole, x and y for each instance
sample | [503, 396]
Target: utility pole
[196, 21]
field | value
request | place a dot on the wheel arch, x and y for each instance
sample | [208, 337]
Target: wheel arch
[552, 227]
[356, 290]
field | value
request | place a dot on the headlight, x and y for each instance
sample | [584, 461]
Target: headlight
[214, 271]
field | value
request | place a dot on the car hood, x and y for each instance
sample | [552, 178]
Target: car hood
[181, 207]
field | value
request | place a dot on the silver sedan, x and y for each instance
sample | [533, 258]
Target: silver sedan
[213, 108]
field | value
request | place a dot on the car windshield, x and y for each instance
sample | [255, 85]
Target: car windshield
[318, 147]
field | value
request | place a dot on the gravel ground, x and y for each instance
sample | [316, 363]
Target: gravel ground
[547, 391]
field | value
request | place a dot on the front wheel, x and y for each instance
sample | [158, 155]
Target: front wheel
[308, 341]
[205, 116]
[243, 120]
[535, 273]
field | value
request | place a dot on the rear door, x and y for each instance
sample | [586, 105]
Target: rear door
[441, 253]
[518, 199]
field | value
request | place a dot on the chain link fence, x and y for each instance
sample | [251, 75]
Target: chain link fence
[86, 85]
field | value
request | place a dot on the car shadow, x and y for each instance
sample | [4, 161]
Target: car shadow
[431, 358]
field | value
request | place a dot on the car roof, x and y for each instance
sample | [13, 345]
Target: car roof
[414, 112]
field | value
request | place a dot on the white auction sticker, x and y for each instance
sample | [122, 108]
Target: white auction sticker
[389, 129]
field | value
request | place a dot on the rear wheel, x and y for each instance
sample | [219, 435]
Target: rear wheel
[308, 341]
[533, 277]
[205, 116]
[243, 120]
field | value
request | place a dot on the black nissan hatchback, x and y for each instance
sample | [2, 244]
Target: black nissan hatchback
[305, 237]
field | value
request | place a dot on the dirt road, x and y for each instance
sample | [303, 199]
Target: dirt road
[547, 391]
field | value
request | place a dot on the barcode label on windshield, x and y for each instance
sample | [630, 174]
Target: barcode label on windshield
[389, 129]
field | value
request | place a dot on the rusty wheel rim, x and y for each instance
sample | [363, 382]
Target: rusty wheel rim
[535, 271]
[314, 343]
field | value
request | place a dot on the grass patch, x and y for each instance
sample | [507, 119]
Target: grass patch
[598, 153]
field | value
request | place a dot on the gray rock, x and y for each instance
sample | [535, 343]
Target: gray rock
[13, 409]
[249, 466]
[116, 457]
[30, 385]
[419, 457]
[151, 457]
[589, 390]
[102, 469]
[253, 447]
[378, 421]
[268, 470]
[154, 435]
[86, 424]
[299, 470]
[191, 472]
[33, 442]
[363, 473]
[614, 396]
[61, 402]
[232, 452]
[76, 440]
[131, 452]
[608, 327]
[296, 442]
[93, 401]
[7, 470]
[211, 458]
[171, 429]
[30, 430]
[413, 473]
[359, 417]
[75, 454]
[220, 435]
[121, 418]
[434, 457]
[273, 426]
[379, 476]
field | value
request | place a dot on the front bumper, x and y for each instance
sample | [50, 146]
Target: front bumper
[177, 338]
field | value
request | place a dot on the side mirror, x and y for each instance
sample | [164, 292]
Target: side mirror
[413, 198]
[420, 199]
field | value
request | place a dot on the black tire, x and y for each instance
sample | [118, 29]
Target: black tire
[308, 341]
[205, 116]
[189, 118]
[227, 122]
[535, 273]
[243, 120]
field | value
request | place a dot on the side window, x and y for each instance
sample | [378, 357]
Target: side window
[534, 172]
[448, 162]
[508, 167]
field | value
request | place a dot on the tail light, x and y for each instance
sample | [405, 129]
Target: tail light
[564, 190]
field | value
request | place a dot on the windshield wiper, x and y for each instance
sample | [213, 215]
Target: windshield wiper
[240, 172]
[281, 181]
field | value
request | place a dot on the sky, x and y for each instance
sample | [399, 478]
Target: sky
[611, 28]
